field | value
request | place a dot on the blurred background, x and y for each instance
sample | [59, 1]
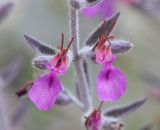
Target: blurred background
[46, 20]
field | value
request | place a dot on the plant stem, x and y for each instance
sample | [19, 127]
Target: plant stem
[82, 82]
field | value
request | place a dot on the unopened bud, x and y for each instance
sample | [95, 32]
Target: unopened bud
[41, 62]
[92, 2]
[77, 4]
[24, 88]
[120, 46]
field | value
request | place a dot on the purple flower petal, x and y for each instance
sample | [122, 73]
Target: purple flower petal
[111, 84]
[45, 91]
[104, 10]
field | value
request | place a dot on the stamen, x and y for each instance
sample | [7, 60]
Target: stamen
[101, 37]
[62, 41]
[70, 44]
[100, 106]
[111, 37]
[108, 39]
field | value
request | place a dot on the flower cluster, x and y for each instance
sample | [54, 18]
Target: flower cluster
[46, 88]
[44, 91]
[111, 82]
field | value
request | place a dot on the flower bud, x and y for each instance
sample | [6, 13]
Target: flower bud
[120, 46]
[41, 62]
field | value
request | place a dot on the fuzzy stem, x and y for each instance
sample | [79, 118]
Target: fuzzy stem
[77, 102]
[82, 82]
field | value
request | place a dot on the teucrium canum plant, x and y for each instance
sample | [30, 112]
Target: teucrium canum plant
[99, 48]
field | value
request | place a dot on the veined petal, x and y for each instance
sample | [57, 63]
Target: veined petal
[111, 84]
[45, 91]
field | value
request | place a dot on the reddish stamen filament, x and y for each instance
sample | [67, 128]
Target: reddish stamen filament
[70, 44]
[62, 41]
[62, 44]
[102, 37]
[63, 51]
[100, 106]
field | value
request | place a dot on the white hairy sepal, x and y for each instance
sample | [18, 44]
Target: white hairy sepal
[40, 62]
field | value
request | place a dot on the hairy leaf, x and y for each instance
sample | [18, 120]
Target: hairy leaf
[150, 78]
[108, 27]
[126, 110]
[39, 46]
[5, 9]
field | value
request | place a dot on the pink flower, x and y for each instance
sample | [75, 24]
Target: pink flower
[102, 51]
[111, 83]
[104, 9]
[45, 91]
[93, 122]
[60, 61]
